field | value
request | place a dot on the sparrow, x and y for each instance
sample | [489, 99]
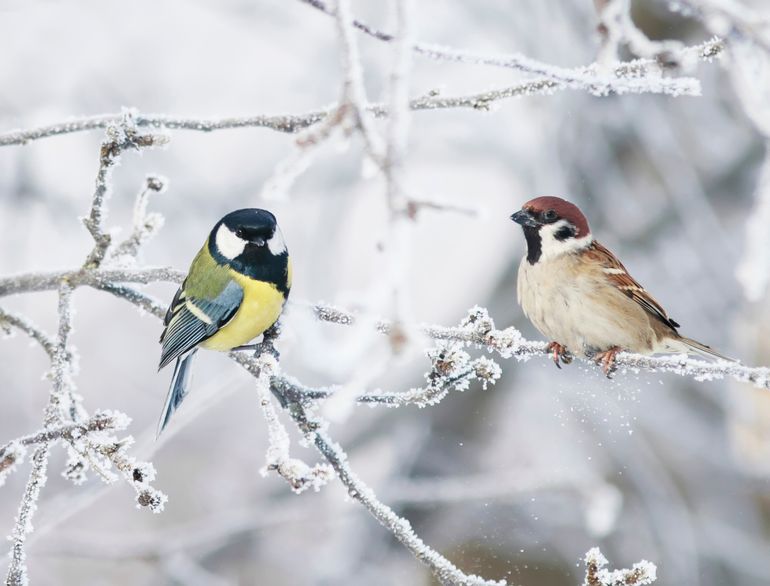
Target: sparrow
[580, 296]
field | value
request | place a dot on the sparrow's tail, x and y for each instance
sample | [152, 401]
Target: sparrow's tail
[703, 350]
[180, 381]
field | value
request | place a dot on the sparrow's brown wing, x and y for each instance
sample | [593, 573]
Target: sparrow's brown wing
[618, 275]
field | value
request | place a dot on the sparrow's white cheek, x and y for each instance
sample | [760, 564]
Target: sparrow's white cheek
[276, 244]
[551, 247]
[228, 243]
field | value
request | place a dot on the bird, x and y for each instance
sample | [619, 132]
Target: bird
[580, 296]
[234, 291]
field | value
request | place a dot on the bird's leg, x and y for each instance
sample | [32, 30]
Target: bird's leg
[268, 339]
[266, 345]
[559, 352]
[245, 347]
[607, 360]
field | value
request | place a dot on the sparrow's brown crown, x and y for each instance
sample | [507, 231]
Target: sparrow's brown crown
[549, 209]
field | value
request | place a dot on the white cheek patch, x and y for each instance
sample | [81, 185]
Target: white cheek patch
[276, 244]
[228, 243]
[551, 247]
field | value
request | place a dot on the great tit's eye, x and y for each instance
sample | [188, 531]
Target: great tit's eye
[550, 215]
[239, 233]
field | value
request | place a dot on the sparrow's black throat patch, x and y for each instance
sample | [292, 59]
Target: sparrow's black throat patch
[534, 243]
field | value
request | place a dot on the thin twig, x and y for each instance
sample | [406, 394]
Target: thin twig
[293, 123]
[299, 475]
[17, 569]
[353, 91]
[315, 430]
[640, 574]
[120, 137]
[587, 78]
[8, 318]
[145, 225]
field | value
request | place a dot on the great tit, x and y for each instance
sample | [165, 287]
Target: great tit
[235, 289]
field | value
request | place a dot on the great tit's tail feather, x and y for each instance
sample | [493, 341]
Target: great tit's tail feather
[177, 391]
[704, 350]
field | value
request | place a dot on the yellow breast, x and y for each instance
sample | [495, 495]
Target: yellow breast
[261, 306]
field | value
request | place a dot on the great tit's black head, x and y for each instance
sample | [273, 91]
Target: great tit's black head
[249, 234]
[552, 226]
[251, 243]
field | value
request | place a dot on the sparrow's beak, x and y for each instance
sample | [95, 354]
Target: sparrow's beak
[524, 218]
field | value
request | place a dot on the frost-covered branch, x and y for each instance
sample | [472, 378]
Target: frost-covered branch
[294, 399]
[299, 475]
[617, 28]
[452, 368]
[478, 329]
[9, 319]
[60, 392]
[145, 225]
[288, 123]
[730, 18]
[47, 281]
[586, 78]
[295, 123]
[641, 573]
[120, 137]
[17, 569]
[13, 452]
[315, 429]
[353, 92]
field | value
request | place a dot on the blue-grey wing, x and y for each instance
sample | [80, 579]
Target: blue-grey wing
[190, 320]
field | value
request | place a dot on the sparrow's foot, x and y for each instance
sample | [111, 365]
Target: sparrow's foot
[607, 360]
[559, 352]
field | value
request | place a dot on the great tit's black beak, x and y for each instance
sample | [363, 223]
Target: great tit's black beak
[258, 241]
[524, 218]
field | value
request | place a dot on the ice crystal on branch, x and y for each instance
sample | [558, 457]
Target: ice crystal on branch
[641, 573]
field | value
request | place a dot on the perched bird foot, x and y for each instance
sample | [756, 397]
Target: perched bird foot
[607, 360]
[559, 353]
[267, 343]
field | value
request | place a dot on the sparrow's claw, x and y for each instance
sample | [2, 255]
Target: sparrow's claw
[607, 360]
[559, 353]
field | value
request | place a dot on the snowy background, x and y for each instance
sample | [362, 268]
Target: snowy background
[514, 482]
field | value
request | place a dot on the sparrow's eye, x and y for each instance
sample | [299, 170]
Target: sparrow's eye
[550, 216]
